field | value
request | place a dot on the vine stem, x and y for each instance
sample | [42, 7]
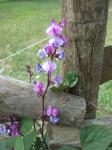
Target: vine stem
[43, 110]
[42, 135]
[43, 103]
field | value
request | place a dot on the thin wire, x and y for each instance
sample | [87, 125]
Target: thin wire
[14, 54]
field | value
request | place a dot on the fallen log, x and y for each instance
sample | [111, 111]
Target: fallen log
[17, 97]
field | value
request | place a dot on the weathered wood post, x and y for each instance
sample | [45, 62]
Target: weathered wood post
[86, 29]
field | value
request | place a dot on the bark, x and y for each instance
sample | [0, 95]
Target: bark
[17, 97]
[86, 29]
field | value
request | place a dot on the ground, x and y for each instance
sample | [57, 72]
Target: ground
[22, 23]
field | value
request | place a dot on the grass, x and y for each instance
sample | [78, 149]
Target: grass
[23, 22]
[105, 92]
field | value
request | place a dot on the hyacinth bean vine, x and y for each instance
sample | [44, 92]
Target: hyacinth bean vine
[53, 51]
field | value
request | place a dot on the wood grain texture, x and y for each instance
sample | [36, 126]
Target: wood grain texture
[17, 97]
[86, 30]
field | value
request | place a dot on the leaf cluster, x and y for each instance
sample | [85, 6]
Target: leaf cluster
[70, 80]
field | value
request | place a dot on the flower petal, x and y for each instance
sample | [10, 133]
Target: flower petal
[49, 111]
[60, 54]
[54, 120]
[56, 41]
[38, 68]
[39, 87]
[41, 54]
[49, 49]
[49, 66]
[57, 80]
[54, 29]
[55, 112]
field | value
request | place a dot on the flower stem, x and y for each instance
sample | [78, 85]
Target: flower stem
[43, 104]
[42, 135]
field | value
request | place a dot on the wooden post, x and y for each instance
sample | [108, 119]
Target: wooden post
[86, 29]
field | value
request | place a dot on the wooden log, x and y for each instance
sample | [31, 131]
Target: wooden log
[60, 136]
[17, 97]
[106, 74]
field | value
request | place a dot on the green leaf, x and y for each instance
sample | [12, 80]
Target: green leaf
[57, 89]
[7, 143]
[37, 144]
[65, 83]
[70, 80]
[10, 142]
[72, 84]
[29, 140]
[19, 144]
[67, 148]
[2, 144]
[95, 137]
[110, 148]
[26, 125]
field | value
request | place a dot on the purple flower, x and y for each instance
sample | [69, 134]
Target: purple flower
[14, 129]
[56, 41]
[54, 120]
[3, 130]
[41, 53]
[57, 80]
[60, 54]
[39, 88]
[51, 111]
[38, 68]
[49, 49]
[49, 66]
[54, 29]
[55, 112]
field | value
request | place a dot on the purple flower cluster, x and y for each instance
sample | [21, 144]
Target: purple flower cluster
[57, 41]
[11, 129]
[39, 88]
[4, 130]
[54, 51]
[14, 126]
[14, 129]
[53, 114]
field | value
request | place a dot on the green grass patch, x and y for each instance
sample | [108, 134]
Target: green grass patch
[22, 23]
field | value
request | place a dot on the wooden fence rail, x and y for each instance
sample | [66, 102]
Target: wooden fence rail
[17, 97]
